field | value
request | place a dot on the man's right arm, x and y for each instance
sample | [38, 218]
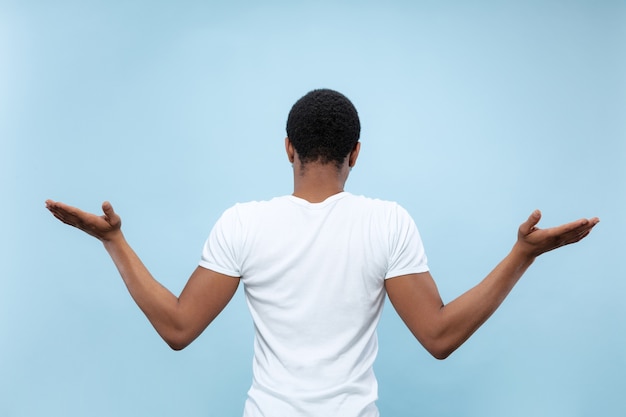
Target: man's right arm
[178, 320]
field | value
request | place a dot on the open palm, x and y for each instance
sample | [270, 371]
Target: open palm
[536, 241]
[101, 227]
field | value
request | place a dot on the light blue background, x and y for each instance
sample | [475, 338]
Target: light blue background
[473, 115]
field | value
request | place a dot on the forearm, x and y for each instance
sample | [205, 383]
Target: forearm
[158, 304]
[459, 319]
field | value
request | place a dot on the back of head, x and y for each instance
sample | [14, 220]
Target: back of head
[324, 127]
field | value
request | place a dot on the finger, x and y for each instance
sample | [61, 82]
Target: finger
[529, 225]
[51, 204]
[58, 206]
[107, 208]
[572, 232]
[66, 211]
[60, 217]
[574, 227]
[573, 238]
[588, 226]
[53, 207]
[65, 217]
[110, 215]
[68, 214]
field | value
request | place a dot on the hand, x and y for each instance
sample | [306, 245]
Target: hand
[534, 241]
[103, 227]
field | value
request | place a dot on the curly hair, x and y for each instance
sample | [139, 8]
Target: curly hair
[324, 127]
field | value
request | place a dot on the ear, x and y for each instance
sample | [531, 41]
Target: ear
[354, 155]
[291, 152]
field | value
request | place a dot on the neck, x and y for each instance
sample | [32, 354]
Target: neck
[315, 182]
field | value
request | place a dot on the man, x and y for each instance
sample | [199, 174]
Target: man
[316, 266]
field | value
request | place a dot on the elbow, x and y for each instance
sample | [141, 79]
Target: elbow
[177, 341]
[439, 349]
[440, 354]
[176, 346]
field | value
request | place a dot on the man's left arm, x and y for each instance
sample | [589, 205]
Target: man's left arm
[442, 328]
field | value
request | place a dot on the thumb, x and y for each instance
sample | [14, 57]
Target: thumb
[107, 208]
[529, 225]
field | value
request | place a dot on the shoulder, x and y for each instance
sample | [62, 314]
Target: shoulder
[254, 208]
[376, 205]
[255, 205]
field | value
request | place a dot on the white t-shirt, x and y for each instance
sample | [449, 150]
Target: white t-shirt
[314, 276]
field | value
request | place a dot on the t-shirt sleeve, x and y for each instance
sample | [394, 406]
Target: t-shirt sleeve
[220, 252]
[407, 254]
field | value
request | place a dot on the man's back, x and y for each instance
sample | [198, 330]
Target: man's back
[314, 281]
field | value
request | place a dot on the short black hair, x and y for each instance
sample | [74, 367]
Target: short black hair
[323, 126]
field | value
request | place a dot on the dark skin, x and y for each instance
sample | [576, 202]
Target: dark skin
[440, 328]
